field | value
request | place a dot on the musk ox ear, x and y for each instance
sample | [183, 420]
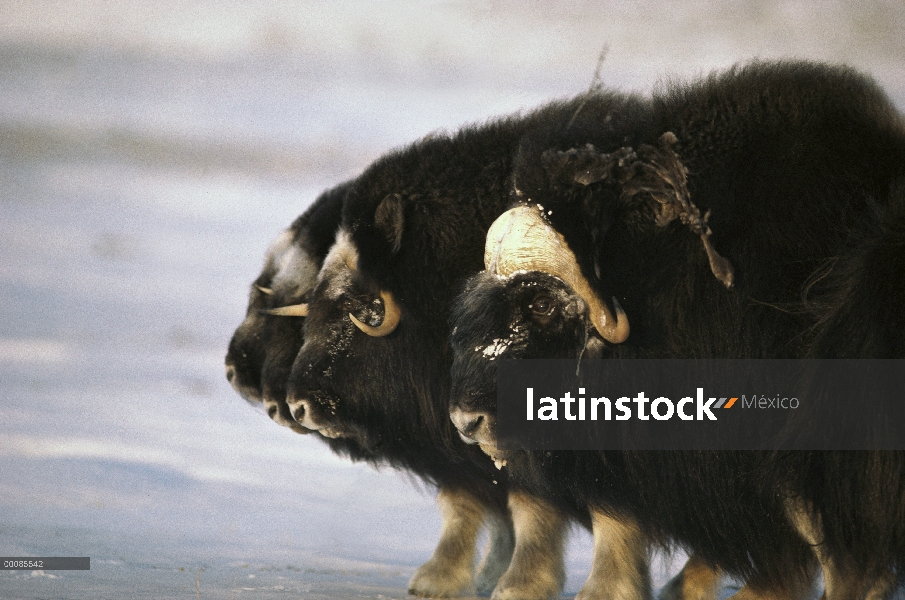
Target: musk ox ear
[390, 220]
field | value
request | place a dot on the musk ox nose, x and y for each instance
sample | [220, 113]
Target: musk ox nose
[280, 413]
[301, 411]
[469, 424]
[230, 373]
[470, 427]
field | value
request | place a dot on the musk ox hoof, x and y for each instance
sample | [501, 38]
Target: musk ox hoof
[612, 588]
[525, 593]
[534, 587]
[441, 579]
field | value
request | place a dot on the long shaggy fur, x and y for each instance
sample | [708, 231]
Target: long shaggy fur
[797, 172]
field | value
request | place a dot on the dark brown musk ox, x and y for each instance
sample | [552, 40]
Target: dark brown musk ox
[759, 214]
[374, 367]
[264, 346]
[260, 358]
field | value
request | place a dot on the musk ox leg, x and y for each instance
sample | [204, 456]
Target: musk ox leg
[841, 579]
[450, 570]
[696, 581]
[621, 568]
[500, 546]
[537, 571]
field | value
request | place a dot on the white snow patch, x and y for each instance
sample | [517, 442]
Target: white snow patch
[495, 348]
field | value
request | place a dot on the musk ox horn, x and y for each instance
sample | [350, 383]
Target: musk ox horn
[521, 240]
[391, 316]
[264, 290]
[391, 312]
[296, 310]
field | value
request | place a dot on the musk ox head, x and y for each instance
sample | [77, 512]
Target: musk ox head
[375, 362]
[350, 331]
[528, 315]
[265, 345]
[531, 302]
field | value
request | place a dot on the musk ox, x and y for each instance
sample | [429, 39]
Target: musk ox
[375, 362]
[260, 357]
[755, 214]
[374, 365]
[263, 347]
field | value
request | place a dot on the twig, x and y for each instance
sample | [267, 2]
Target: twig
[596, 83]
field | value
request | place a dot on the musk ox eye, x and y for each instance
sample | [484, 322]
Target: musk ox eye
[542, 305]
[348, 304]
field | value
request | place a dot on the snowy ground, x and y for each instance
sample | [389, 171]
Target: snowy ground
[148, 157]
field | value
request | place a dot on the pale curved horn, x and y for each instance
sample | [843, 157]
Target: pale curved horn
[391, 312]
[521, 240]
[391, 317]
[296, 310]
[264, 290]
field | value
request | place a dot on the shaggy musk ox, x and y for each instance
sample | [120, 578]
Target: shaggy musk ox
[758, 213]
[260, 358]
[374, 366]
[375, 362]
[264, 345]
